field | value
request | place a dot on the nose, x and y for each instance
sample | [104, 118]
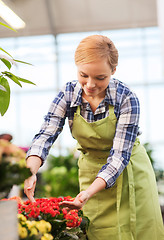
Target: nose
[90, 83]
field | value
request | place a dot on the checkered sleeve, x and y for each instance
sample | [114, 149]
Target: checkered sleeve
[125, 135]
[50, 129]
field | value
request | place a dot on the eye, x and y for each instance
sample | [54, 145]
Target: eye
[101, 78]
[83, 75]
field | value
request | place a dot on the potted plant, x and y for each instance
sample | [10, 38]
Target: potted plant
[47, 214]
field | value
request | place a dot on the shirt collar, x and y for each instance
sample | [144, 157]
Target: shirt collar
[77, 96]
[110, 96]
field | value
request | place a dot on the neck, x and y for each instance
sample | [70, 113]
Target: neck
[92, 98]
[93, 101]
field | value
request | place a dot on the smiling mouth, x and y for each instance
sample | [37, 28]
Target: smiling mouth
[90, 90]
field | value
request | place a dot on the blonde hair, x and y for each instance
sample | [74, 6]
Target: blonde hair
[96, 47]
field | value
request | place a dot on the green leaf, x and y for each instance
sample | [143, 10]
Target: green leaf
[22, 62]
[12, 77]
[2, 88]
[6, 62]
[16, 79]
[5, 52]
[5, 25]
[4, 96]
[67, 235]
[25, 81]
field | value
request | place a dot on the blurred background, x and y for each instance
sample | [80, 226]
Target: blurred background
[48, 32]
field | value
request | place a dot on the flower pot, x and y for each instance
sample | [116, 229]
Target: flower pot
[8, 220]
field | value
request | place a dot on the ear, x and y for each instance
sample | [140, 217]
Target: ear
[114, 70]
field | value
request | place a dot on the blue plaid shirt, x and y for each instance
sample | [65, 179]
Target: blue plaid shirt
[126, 109]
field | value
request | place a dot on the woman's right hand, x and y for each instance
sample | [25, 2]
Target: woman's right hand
[29, 187]
[33, 162]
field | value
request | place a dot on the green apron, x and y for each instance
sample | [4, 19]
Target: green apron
[130, 209]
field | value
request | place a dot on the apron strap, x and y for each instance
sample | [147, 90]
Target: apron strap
[119, 193]
[78, 109]
[132, 200]
[111, 109]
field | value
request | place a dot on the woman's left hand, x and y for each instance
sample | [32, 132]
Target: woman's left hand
[78, 202]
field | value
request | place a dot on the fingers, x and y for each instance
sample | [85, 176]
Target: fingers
[30, 193]
[83, 196]
[29, 187]
[71, 205]
[78, 202]
[30, 197]
[68, 204]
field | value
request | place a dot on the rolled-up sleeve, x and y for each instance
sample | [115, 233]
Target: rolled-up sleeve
[125, 135]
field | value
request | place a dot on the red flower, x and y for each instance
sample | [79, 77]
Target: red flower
[73, 220]
[64, 211]
[49, 209]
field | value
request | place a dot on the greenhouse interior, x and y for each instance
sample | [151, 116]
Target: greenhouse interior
[61, 198]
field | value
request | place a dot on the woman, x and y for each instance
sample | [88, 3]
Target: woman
[117, 184]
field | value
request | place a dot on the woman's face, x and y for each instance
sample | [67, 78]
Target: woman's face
[94, 78]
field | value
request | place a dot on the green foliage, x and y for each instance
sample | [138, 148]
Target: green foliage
[85, 222]
[61, 232]
[61, 177]
[4, 95]
[4, 84]
[70, 234]
[10, 174]
[159, 173]
[149, 151]
[8, 61]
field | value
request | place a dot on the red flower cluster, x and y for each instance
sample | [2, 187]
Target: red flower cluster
[73, 219]
[49, 209]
